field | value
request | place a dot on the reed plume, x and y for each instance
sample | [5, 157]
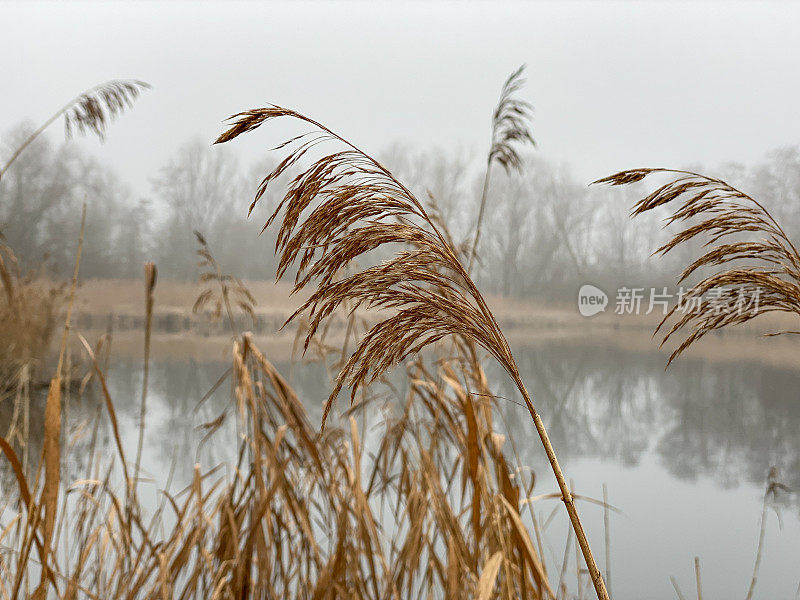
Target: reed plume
[773, 488]
[748, 276]
[347, 204]
[92, 111]
[222, 289]
[510, 130]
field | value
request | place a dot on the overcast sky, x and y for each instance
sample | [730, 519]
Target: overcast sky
[614, 85]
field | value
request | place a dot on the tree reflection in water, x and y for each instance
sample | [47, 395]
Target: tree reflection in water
[721, 421]
[729, 422]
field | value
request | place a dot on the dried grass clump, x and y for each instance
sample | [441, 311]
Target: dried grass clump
[344, 206]
[742, 268]
[30, 310]
[435, 510]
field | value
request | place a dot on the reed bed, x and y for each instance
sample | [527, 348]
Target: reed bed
[436, 509]
[30, 314]
[433, 511]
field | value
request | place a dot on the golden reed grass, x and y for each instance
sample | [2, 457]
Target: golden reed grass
[737, 266]
[707, 208]
[434, 509]
[346, 205]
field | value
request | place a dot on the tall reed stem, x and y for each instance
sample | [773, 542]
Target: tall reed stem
[51, 450]
[607, 532]
[474, 251]
[697, 577]
[29, 140]
[566, 495]
[149, 286]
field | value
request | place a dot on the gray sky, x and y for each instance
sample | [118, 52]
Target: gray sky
[615, 84]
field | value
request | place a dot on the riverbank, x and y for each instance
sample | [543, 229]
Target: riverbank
[117, 307]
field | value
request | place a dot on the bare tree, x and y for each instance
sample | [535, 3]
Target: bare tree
[199, 189]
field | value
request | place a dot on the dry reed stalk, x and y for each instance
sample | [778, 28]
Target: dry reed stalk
[772, 489]
[767, 269]
[51, 451]
[221, 289]
[697, 577]
[607, 535]
[578, 570]
[150, 277]
[677, 589]
[347, 204]
[562, 586]
[510, 127]
[91, 111]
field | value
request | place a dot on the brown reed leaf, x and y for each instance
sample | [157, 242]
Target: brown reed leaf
[489, 576]
[16, 467]
[530, 555]
[748, 277]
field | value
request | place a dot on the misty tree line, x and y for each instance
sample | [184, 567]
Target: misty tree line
[546, 232]
[200, 188]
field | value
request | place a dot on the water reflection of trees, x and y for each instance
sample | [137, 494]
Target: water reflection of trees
[725, 421]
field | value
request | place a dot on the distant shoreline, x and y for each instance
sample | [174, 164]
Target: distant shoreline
[117, 306]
